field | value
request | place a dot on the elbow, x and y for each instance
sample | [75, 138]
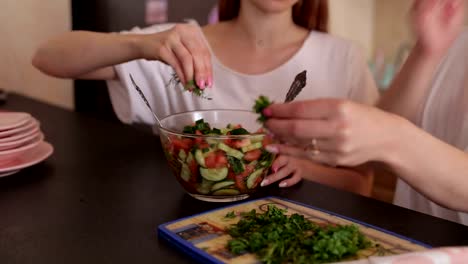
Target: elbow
[41, 60]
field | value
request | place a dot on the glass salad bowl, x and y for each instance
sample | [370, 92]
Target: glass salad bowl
[216, 155]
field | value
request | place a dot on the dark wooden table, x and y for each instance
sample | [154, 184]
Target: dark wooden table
[101, 196]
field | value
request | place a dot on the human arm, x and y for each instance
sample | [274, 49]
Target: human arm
[91, 55]
[358, 180]
[437, 23]
[349, 134]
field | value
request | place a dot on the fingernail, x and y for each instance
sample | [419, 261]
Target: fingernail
[264, 183]
[201, 84]
[267, 112]
[275, 169]
[283, 184]
[272, 149]
[209, 82]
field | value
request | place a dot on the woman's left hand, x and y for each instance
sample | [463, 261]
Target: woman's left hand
[334, 131]
[282, 167]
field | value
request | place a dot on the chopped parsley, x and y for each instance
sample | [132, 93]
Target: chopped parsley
[277, 238]
[236, 165]
[230, 215]
[261, 104]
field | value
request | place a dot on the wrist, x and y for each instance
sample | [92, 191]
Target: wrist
[402, 133]
[135, 45]
[431, 55]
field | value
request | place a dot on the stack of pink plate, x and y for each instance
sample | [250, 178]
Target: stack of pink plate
[21, 142]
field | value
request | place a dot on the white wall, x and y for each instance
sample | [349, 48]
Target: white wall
[24, 25]
[354, 20]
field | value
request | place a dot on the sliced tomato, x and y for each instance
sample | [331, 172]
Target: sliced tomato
[216, 160]
[241, 143]
[198, 132]
[210, 160]
[184, 143]
[241, 178]
[267, 140]
[253, 155]
[221, 159]
[193, 166]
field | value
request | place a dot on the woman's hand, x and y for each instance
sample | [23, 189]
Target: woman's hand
[334, 132]
[285, 166]
[185, 49]
[437, 23]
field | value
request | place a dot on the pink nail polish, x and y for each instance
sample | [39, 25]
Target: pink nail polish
[267, 112]
[201, 84]
[210, 82]
[272, 149]
[264, 183]
[283, 184]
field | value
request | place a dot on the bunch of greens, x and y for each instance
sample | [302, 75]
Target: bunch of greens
[190, 86]
[261, 104]
[277, 238]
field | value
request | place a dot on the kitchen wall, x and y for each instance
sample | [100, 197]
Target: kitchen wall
[25, 24]
[354, 20]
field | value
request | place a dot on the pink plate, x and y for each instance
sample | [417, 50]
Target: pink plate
[20, 136]
[11, 120]
[38, 136]
[6, 155]
[30, 125]
[35, 155]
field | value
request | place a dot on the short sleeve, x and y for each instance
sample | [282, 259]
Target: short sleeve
[363, 88]
[151, 78]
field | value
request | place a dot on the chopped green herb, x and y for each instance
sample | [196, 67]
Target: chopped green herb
[261, 104]
[239, 131]
[190, 86]
[236, 165]
[265, 159]
[230, 215]
[277, 238]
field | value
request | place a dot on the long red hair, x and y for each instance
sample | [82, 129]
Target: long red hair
[310, 14]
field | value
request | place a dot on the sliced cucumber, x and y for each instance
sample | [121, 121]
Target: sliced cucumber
[185, 172]
[230, 151]
[189, 158]
[256, 139]
[224, 131]
[214, 174]
[182, 155]
[253, 146]
[200, 157]
[205, 186]
[221, 185]
[253, 178]
[226, 192]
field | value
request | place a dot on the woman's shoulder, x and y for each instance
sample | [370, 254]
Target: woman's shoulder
[331, 45]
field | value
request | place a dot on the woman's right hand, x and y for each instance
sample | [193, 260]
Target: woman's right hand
[185, 49]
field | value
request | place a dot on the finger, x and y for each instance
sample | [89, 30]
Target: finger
[294, 179]
[280, 174]
[301, 129]
[279, 162]
[185, 59]
[310, 109]
[199, 54]
[170, 58]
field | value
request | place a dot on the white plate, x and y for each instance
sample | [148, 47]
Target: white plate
[38, 136]
[10, 120]
[35, 155]
[30, 125]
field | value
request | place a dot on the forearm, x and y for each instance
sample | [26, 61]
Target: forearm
[358, 180]
[436, 169]
[78, 53]
[407, 92]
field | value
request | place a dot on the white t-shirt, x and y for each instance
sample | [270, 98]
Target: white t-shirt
[445, 116]
[335, 68]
